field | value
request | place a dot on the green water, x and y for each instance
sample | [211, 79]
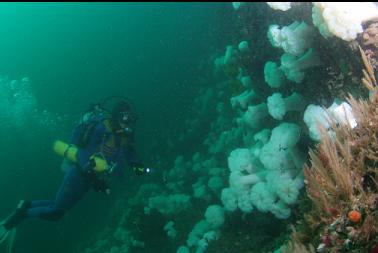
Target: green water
[78, 53]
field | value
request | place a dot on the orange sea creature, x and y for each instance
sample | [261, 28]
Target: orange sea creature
[354, 216]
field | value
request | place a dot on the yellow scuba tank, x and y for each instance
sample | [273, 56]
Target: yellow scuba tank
[70, 151]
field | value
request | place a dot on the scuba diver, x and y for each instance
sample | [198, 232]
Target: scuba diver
[101, 135]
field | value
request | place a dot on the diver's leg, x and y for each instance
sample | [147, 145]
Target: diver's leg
[39, 203]
[24, 209]
[76, 186]
[39, 209]
[73, 188]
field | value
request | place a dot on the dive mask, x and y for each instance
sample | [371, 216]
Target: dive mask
[127, 121]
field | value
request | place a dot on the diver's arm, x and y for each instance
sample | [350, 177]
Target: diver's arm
[84, 154]
[134, 162]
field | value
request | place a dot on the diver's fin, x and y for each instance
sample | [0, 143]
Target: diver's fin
[11, 240]
[7, 238]
[16, 216]
[8, 226]
[3, 233]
